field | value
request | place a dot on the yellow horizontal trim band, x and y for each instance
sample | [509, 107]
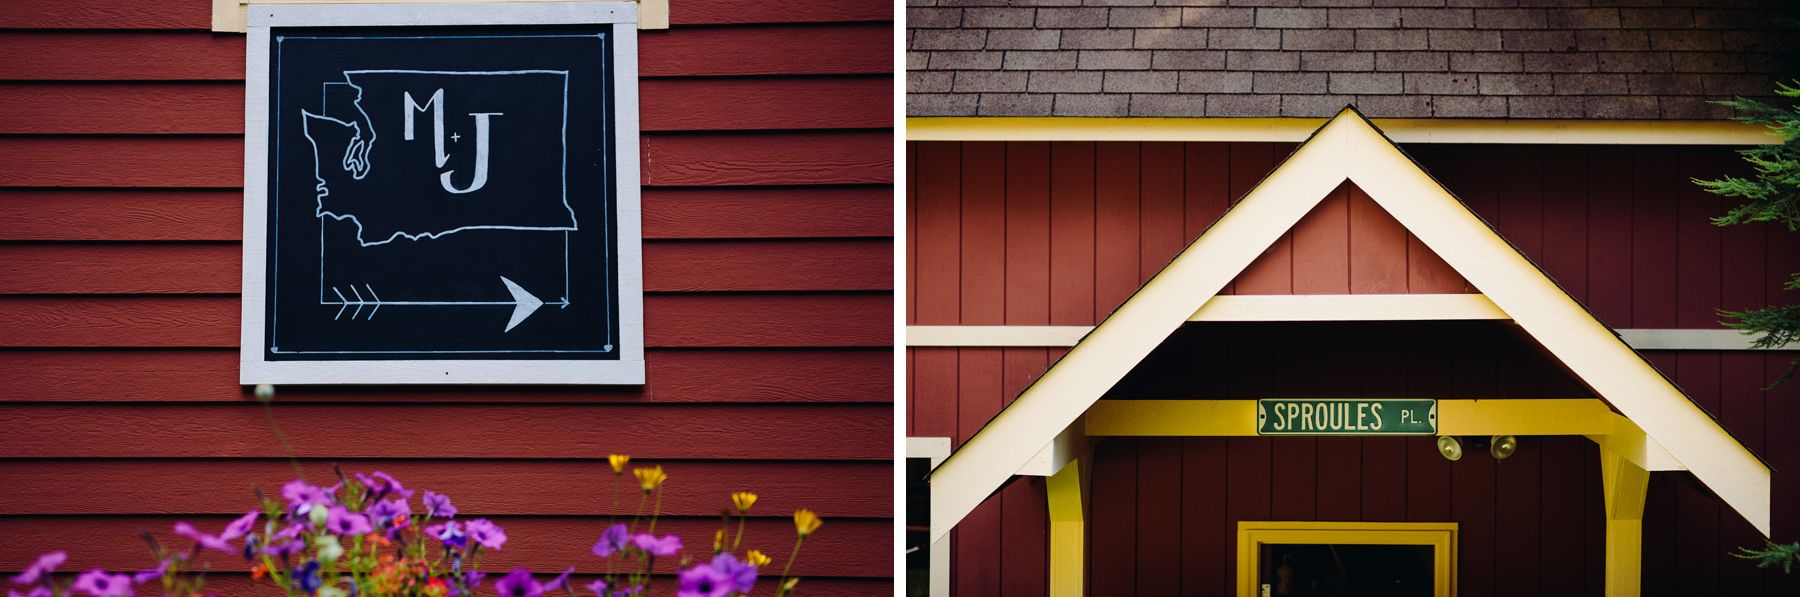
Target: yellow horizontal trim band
[1194, 418]
[1401, 130]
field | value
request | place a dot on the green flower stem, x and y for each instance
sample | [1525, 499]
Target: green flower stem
[781, 589]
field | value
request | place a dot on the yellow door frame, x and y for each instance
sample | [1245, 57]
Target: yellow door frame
[1627, 456]
[1441, 536]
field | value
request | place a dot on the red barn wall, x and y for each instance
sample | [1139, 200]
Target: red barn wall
[1062, 233]
[767, 168]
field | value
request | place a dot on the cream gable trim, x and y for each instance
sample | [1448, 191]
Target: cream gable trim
[1069, 335]
[1347, 147]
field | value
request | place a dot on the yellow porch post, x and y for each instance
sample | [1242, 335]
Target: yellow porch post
[1625, 485]
[1068, 532]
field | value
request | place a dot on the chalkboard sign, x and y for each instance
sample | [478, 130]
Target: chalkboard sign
[445, 194]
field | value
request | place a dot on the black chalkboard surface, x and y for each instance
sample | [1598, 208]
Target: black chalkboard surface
[441, 193]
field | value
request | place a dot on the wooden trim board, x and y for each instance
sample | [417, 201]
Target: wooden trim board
[232, 16]
[1289, 130]
[1068, 335]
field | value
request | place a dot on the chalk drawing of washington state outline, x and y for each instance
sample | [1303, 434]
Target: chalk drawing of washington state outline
[421, 154]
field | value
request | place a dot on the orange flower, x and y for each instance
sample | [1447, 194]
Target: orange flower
[257, 571]
[436, 588]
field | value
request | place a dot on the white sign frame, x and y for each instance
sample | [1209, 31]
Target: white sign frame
[254, 368]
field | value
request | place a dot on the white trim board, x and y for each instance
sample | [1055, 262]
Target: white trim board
[1069, 335]
[629, 368]
[1349, 148]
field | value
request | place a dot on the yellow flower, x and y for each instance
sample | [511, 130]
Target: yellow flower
[743, 500]
[650, 478]
[718, 540]
[618, 463]
[806, 522]
[756, 558]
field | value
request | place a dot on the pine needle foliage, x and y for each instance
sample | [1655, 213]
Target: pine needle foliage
[1776, 553]
[1773, 195]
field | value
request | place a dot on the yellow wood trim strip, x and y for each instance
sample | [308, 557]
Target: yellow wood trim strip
[1252, 534]
[1194, 418]
[232, 16]
[1401, 130]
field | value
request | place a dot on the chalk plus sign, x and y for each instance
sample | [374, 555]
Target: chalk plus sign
[455, 136]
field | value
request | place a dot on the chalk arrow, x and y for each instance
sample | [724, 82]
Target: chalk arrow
[523, 303]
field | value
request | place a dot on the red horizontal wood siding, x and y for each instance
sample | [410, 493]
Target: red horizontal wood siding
[767, 209]
[675, 375]
[671, 320]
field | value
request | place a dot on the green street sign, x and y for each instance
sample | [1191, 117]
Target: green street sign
[1346, 416]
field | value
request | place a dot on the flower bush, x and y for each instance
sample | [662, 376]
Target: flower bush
[362, 538]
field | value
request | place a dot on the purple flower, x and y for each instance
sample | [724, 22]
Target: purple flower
[307, 577]
[206, 541]
[561, 580]
[302, 497]
[598, 587]
[613, 540]
[485, 532]
[290, 532]
[704, 581]
[98, 583]
[742, 574]
[37, 591]
[669, 545]
[284, 548]
[448, 533]
[239, 527]
[342, 521]
[391, 515]
[473, 578]
[152, 574]
[380, 483]
[519, 583]
[45, 564]
[438, 505]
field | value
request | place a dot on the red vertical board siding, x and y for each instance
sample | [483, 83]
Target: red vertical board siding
[1783, 453]
[983, 268]
[1025, 539]
[1472, 492]
[1027, 233]
[1609, 237]
[1158, 504]
[1204, 489]
[1698, 242]
[939, 230]
[911, 292]
[1565, 253]
[1479, 174]
[1116, 217]
[1272, 272]
[1162, 207]
[1518, 520]
[1378, 248]
[1248, 474]
[978, 553]
[1519, 214]
[1561, 520]
[1072, 234]
[1660, 561]
[1207, 179]
[1112, 551]
[1654, 244]
[1321, 258]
